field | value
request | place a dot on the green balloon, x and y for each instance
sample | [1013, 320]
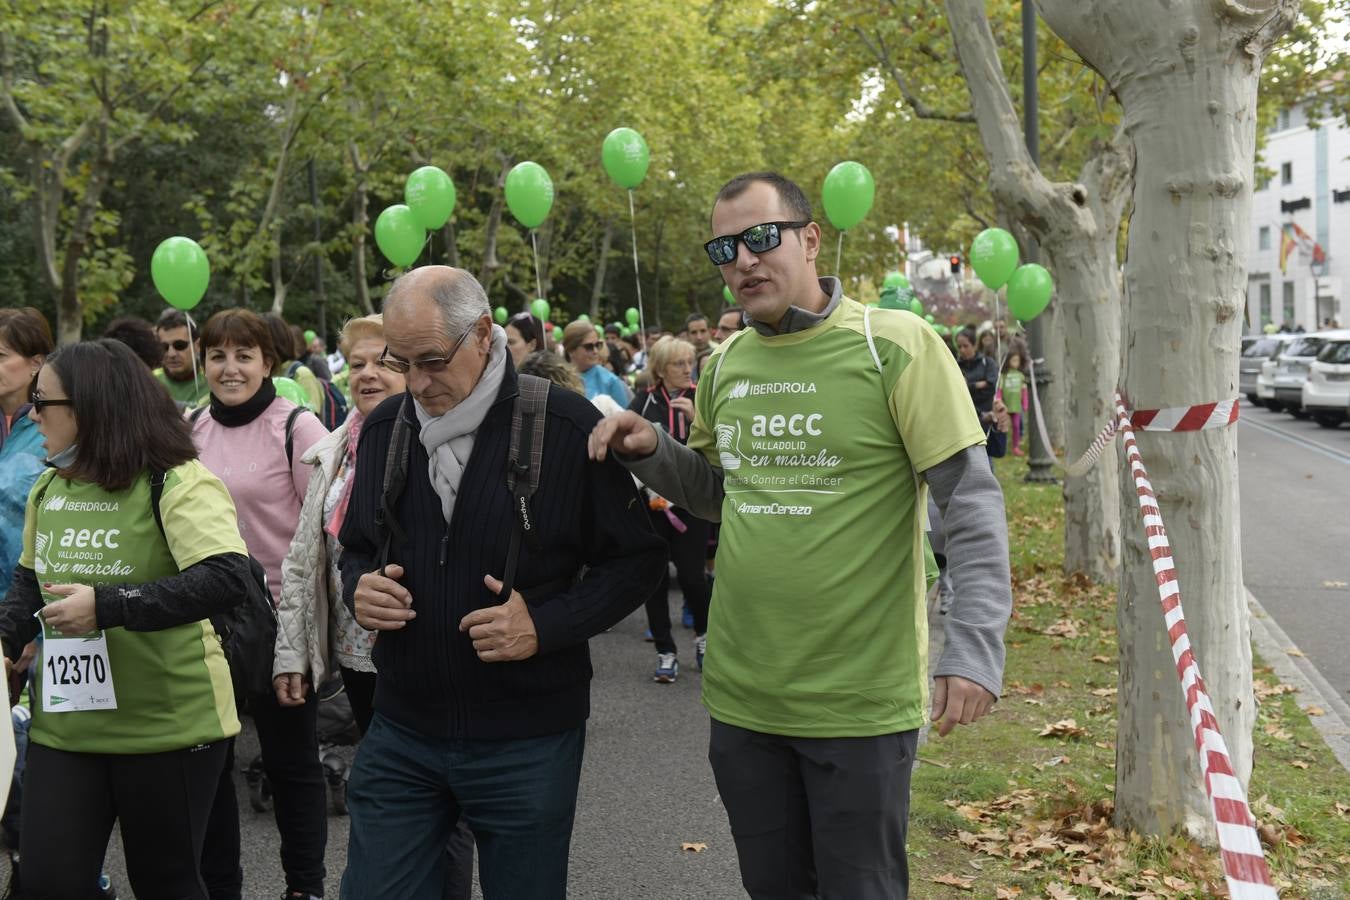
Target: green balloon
[529, 193]
[430, 194]
[583, 318]
[292, 391]
[993, 256]
[916, 306]
[625, 157]
[848, 194]
[500, 315]
[399, 236]
[631, 315]
[896, 280]
[728, 296]
[929, 319]
[942, 329]
[180, 271]
[1029, 291]
[540, 309]
[889, 299]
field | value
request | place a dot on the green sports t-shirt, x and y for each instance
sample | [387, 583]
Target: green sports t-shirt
[818, 624]
[172, 686]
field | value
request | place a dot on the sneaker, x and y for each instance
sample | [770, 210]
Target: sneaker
[700, 648]
[648, 636]
[687, 617]
[667, 668]
[106, 891]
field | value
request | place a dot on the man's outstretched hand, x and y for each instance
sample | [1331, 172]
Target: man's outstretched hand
[958, 701]
[626, 432]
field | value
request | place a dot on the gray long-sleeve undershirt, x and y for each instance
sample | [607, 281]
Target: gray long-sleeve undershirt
[971, 502]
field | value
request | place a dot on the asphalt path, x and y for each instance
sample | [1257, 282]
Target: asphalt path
[646, 790]
[1295, 486]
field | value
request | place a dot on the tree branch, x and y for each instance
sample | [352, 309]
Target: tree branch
[920, 108]
[7, 84]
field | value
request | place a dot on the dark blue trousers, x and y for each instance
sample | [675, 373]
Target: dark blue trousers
[407, 791]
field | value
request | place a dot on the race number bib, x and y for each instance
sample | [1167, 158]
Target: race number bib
[76, 674]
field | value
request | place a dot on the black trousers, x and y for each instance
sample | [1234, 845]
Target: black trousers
[290, 754]
[360, 688]
[816, 818]
[161, 800]
[688, 551]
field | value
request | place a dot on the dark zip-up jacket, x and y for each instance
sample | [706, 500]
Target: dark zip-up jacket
[587, 518]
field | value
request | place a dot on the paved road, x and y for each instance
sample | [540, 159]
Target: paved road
[1295, 481]
[645, 789]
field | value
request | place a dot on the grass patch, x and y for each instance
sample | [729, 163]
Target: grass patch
[1000, 811]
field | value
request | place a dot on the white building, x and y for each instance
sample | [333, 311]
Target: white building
[1310, 187]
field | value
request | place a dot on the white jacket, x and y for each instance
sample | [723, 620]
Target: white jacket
[307, 617]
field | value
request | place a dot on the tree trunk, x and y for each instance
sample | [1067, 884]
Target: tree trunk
[494, 221]
[1076, 225]
[278, 280]
[1187, 82]
[451, 250]
[69, 309]
[601, 267]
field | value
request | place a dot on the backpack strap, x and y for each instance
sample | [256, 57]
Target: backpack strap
[157, 480]
[294, 367]
[395, 477]
[290, 435]
[523, 462]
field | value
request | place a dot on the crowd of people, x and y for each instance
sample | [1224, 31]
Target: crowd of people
[446, 510]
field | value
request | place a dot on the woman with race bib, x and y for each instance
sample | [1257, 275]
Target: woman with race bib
[132, 704]
[256, 442]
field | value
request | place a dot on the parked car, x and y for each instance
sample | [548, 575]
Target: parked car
[1292, 370]
[1255, 351]
[1326, 393]
[1265, 379]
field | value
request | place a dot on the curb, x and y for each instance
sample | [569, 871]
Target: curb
[1310, 687]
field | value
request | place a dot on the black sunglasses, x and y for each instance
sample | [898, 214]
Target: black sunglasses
[757, 239]
[180, 345]
[431, 365]
[40, 403]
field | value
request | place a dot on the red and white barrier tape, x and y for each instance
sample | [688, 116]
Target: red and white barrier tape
[1201, 417]
[1244, 862]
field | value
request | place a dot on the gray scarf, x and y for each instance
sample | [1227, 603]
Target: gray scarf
[448, 438]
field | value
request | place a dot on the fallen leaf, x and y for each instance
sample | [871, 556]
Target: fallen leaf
[1276, 732]
[1050, 763]
[1102, 659]
[1104, 692]
[1342, 809]
[1314, 710]
[693, 846]
[1334, 584]
[1007, 893]
[956, 881]
[1178, 884]
[1064, 628]
[1056, 891]
[1294, 651]
[1298, 764]
[1064, 728]
[934, 762]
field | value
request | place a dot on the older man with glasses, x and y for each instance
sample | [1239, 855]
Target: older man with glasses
[818, 432]
[483, 690]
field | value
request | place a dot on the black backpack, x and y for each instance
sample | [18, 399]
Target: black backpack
[523, 462]
[248, 630]
[334, 410]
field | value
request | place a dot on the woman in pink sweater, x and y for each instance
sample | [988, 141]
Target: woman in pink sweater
[253, 441]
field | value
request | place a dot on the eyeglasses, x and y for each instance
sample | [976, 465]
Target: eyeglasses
[180, 345]
[590, 347]
[757, 239]
[41, 403]
[431, 365]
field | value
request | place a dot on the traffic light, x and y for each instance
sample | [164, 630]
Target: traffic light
[956, 264]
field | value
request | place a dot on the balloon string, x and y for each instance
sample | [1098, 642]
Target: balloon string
[637, 277]
[192, 346]
[839, 259]
[538, 284]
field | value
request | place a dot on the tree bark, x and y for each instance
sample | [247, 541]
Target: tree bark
[494, 221]
[1076, 225]
[1187, 82]
[601, 267]
[360, 222]
[451, 249]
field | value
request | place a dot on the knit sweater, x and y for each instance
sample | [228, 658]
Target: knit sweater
[586, 516]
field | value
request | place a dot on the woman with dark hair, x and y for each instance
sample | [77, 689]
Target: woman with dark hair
[288, 347]
[524, 335]
[132, 704]
[669, 404]
[256, 442]
[140, 336]
[25, 341]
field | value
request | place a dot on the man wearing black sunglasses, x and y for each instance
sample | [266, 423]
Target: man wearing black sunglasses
[819, 431]
[178, 339]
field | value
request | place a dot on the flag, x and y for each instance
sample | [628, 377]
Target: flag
[1286, 247]
[1307, 245]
